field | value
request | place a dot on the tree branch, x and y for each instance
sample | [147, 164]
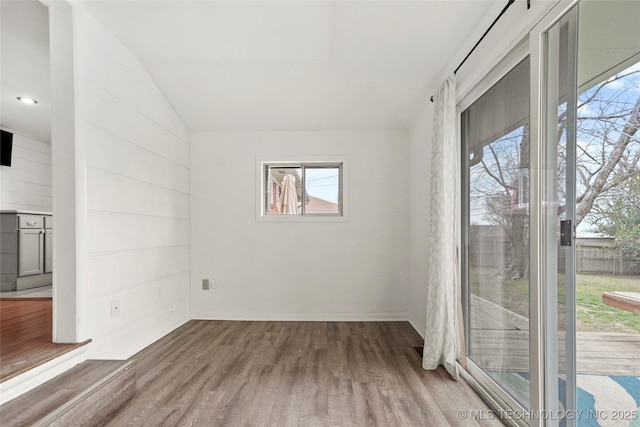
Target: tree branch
[596, 188]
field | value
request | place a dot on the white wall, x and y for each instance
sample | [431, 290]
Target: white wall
[508, 32]
[26, 185]
[134, 153]
[512, 28]
[419, 169]
[353, 270]
[67, 171]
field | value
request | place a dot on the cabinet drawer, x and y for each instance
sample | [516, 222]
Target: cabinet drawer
[30, 221]
[48, 221]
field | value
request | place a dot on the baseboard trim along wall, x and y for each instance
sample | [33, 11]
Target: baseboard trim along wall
[418, 326]
[304, 317]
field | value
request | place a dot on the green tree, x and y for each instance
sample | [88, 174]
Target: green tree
[619, 217]
[608, 161]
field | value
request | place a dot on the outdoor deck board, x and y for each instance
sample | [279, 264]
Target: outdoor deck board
[629, 301]
[605, 353]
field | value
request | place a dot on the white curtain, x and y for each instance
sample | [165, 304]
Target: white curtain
[442, 338]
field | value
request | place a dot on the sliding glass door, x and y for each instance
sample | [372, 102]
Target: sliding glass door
[558, 217]
[590, 169]
[495, 130]
[551, 222]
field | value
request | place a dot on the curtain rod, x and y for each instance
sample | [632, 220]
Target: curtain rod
[509, 3]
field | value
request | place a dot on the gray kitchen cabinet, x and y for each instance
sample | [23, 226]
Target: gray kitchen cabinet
[30, 252]
[26, 258]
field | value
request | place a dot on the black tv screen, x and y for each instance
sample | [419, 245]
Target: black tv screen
[6, 146]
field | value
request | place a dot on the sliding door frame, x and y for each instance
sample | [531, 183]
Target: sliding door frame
[487, 387]
[541, 345]
[541, 385]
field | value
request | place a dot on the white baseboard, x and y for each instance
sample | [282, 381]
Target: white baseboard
[31, 379]
[124, 343]
[418, 326]
[303, 317]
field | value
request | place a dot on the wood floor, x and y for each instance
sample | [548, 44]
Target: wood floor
[83, 395]
[24, 323]
[215, 373]
[25, 335]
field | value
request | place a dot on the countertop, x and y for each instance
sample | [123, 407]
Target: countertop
[25, 212]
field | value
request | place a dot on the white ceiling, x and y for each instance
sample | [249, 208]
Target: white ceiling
[301, 65]
[24, 57]
[266, 65]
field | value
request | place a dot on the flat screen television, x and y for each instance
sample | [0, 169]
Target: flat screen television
[6, 147]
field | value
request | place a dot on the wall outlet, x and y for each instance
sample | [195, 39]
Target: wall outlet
[205, 284]
[172, 308]
[214, 285]
[115, 308]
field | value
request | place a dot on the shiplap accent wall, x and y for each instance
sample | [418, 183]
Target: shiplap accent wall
[26, 185]
[137, 198]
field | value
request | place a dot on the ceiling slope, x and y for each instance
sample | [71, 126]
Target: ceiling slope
[238, 66]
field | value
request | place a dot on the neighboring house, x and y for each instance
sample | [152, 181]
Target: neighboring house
[276, 191]
[317, 205]
[313, 204]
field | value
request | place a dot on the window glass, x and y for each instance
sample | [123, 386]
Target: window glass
[285, 194]
[322, 187]
[496, 161]
[284, 190]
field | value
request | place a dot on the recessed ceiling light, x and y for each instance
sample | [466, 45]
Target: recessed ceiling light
[27, 100]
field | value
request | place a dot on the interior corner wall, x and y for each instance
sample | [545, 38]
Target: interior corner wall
[26, 185]
[419, 170]
[133, 152]
[351, 270]
[510, 30]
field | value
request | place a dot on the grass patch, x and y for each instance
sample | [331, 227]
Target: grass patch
[591, 313]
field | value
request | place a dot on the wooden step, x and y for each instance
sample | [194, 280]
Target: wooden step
[83, 395]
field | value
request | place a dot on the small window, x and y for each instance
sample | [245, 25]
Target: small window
[302, 189]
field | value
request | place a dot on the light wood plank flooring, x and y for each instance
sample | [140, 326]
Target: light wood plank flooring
[87, 392]
[214, 373]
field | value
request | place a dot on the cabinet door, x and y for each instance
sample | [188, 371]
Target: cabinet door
[30, 252]
[48, 251]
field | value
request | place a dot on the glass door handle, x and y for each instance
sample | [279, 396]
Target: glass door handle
[566, 233]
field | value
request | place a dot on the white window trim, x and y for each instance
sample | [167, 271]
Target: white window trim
[262, 161]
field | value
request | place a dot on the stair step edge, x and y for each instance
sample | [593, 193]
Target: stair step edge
[52, 418]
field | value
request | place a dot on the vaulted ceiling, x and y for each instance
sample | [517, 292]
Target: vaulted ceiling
[24, 66]
[296, 65]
